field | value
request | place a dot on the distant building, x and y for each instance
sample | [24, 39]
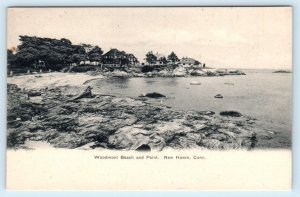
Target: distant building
[188, 62]
[160, 58]
[132, 59]
[119, 58]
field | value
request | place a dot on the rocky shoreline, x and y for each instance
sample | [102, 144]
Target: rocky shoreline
[73, 117]
[178, 72]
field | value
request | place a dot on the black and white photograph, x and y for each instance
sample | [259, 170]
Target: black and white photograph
[148, 80]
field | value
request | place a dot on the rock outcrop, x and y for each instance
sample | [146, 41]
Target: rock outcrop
[118, 123]
[165, 72]
[179, 72]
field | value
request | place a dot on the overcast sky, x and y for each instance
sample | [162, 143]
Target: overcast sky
[220, 37]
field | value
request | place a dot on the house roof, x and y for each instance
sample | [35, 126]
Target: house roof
[187, 59]
[115, 53]
[119, 54]
[130, 54]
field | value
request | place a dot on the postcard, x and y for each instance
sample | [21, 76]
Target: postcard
[149, 98]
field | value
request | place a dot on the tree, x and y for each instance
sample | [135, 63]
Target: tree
[173, 57]
[151, 58]
[95, 54]
[33, 50]
[27, 57]
[78, 55]
[10, 56]
[53, 53]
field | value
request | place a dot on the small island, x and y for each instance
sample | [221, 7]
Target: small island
[282, 71]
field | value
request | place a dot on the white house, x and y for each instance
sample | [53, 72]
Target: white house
[189, 62]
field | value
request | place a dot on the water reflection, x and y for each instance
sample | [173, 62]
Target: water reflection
[150, 81]
[117, 82]
[161, 81]
[170, 82]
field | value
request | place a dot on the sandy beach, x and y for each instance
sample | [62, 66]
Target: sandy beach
[42, 80]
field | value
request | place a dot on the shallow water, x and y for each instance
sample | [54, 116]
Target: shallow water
[261, 94]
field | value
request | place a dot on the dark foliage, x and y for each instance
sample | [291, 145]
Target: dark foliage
[173, 57]
[151, 58]
[35, 52]
[146, 69]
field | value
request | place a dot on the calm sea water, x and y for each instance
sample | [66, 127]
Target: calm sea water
[261, 94]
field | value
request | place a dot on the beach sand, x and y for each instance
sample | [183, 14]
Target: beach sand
[54, 79]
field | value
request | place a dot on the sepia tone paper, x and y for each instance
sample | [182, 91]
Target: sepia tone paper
[149, 98]
[217, 171]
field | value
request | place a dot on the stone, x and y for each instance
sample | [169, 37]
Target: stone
[197, 73]
[118, 73]
[219, 96]
[153, 95]
[164, 73]
[179, 72]
[235, 72]
[68, 140]
[195, 83]
[231, 113]
[144, 148]
[210, 143]
[87, 93]
[13, 87]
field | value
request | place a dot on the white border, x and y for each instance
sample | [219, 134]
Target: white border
[296, 59]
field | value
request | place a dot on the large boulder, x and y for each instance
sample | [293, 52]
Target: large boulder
[236, 72]
[118, 73]
[219, 96]
[197, 73]
[179, 72]
[164, 73]
[153, 95]
[231, 113]
[132, 138]
[135, 74]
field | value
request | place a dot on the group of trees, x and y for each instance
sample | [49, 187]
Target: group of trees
[56, 54]
[51, 52]
[152, 59]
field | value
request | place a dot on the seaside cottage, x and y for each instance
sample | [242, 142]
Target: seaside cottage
[116, 58]
[189, 62]
[132, 59]
[160, 59]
